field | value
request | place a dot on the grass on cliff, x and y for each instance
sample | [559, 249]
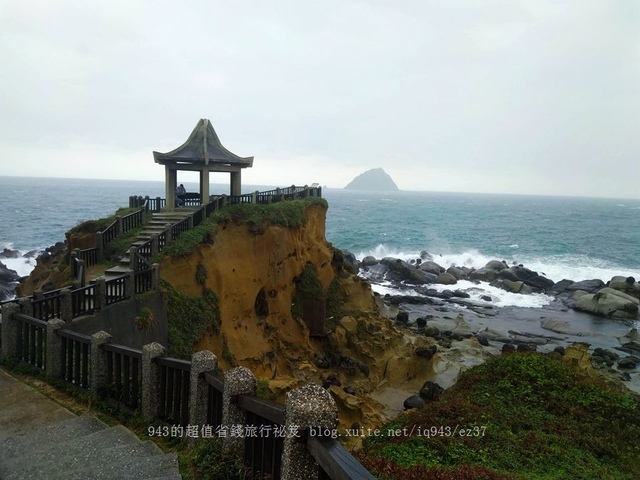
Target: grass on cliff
[256, 216]
[93, 226]
[188, 318]
[542, 421]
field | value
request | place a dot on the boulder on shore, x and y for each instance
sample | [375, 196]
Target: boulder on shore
[609, 303]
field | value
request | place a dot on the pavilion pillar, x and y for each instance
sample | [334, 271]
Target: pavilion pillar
[204, 185]
[236, 183]
[171, 182]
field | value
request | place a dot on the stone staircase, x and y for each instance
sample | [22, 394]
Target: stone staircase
[81, 448]
[156, 225]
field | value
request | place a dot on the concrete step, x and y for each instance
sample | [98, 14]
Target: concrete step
[48, 435]
[75, 450]
[117, 271]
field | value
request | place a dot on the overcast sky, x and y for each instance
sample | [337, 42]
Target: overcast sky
[508, 96]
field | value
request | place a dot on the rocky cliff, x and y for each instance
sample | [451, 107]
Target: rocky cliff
[256, 276]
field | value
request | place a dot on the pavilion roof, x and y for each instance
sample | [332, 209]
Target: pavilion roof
[202, 147]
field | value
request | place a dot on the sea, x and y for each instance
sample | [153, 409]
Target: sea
[575, 238]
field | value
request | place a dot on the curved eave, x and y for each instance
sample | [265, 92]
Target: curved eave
[202, 147]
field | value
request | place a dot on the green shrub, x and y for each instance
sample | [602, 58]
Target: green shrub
[541, 421]
[188, 318]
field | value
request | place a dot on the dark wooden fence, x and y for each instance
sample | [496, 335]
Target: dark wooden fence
[262, 443]
[32, 341]
[263, 431]
[123, 375]
[83, 301]
[75, 357]
[174, 390]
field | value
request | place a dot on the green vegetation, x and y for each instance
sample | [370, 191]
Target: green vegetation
[93, 226]
[308, 287]
[543, 421]
[117, 247]
[207, 460]
[255, 216]
[262, 390]
[188, 318]
[144, 320]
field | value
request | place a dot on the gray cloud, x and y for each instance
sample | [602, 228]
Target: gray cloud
[498, 96]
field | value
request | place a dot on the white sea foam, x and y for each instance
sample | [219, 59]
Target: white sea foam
[556, 268]
[22, 265]
[498, 296]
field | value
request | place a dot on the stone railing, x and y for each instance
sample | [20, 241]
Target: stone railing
[69, 303]
[191, 399]
[120, 226]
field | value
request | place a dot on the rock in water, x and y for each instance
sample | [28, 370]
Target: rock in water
[375, 179]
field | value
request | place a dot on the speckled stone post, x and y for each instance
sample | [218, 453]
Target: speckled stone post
[101, 294]
[99, 377]
[201, 362]
[66, 308]
[236, 381]
[155, 276]
[307, 406]
[150, 379]
[54, 348]
[26, 306]
[9, 328]
[130, 285]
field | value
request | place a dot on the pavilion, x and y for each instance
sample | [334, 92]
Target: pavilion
[202, 152]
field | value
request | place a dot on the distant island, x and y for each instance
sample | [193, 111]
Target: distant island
[374, 179]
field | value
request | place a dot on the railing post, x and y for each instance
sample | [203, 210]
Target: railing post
[307, 406]
[98, 361]
[254, 197]
[100, 299]
[73, 258]
[150, 379]
[81, 268]
[54, 348]
[239, 380]
[190, 221]
[118, 225]
[99, 247]
[130, 285]
[223, 200]
[133, 257]
[26, 306]
[66, 307]
[168, 233]
[155, 276]
[305, 194]
[154, 244]
[279, 194]
[10, 330]
[201, 362]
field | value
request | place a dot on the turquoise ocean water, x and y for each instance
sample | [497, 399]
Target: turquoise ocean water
[564, 237]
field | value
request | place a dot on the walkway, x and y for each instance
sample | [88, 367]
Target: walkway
[41, 439]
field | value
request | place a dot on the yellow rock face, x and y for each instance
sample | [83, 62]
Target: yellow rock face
[275, 345]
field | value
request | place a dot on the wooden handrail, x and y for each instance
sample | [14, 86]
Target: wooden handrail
[75, 336]
[174, 363]
[122, 350]
[335, 460]
[30, 320]
[214, 380]
[272, 411]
